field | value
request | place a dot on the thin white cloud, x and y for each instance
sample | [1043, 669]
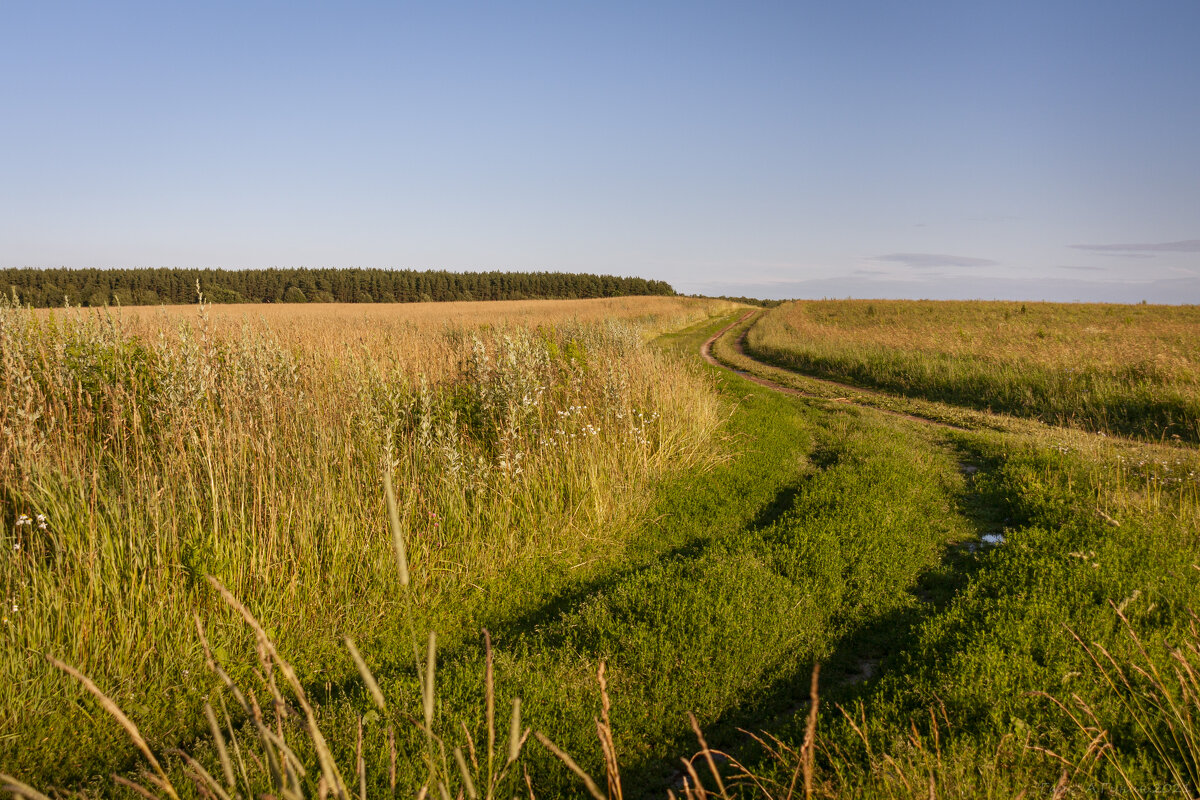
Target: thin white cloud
[962, 287]
[1184, 246]
[1086, 269]
[929, 260]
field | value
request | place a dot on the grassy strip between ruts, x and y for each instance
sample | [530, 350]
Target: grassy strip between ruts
[1101, 542]
[794, 549]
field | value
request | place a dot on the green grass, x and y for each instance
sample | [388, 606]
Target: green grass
[159, 462]
[1001, 651]
[1128, 370]
[748, 596]
[750, 571]
[801, 532]
[1008, 635]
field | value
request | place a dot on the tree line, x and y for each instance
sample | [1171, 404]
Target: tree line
[167, 286]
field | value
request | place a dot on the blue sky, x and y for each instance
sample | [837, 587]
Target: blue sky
[1040, 150]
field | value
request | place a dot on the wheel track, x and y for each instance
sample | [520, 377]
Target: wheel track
[739, 346]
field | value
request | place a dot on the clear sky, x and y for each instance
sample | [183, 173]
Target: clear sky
[1032, 150]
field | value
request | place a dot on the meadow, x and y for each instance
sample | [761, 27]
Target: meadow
[199, 515]
[1127, 369]
[149, 451]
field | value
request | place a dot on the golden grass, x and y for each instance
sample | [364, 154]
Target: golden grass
[408, 335]
[1130, 370]
[163, 446]
[496, 369]
[1161, 340]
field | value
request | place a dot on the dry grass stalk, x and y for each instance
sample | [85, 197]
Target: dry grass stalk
[612, 769]
[515, 738]
[10, 784]
[489, 711]
[328, 766]
[465, 773]
[427, 688]
[808, 749]
[780, 753]
[219, 743]
[135, 787]
[364, 672]
[116, 713]
[708, 756]
[391, 737]
[397, 531]
[1153, 698]
[360, 764]
[695, 787]
[201, 777]
[570, 764]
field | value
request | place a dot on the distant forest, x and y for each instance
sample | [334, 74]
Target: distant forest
[98, 287]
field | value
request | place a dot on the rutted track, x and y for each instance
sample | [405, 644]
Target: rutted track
[738, 345]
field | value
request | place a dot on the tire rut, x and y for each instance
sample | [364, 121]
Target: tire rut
[739, 346]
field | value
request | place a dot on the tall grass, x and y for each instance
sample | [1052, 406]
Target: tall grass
[408, 336]
[146, 463]
[836, 536]
[1131, 370]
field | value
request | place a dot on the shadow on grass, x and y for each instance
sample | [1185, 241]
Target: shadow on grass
[854, 653]
[860, 653]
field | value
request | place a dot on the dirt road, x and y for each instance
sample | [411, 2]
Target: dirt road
[738, 346]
